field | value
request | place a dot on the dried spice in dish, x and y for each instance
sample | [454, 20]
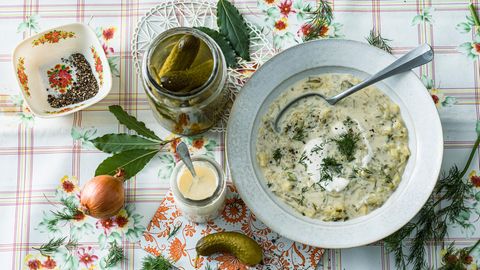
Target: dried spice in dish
[71, 82]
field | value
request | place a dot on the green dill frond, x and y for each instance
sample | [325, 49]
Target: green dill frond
[375, 39]
[299, 134]
[115, 255]
[331, 164]
[317, 148]
[54, 244]
[431, 223]
[319, 20]
[303, 159]
[347, 144]
[156, 263]
[49, 248]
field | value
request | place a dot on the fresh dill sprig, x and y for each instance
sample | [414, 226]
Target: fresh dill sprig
[53, 245]
[331, 164]
[174, 230]
[319, 21]
[68, 212]
[48, 248]
[317, 148]
[302, 160]
[115, 255]
[277, 155]
[375, 39]
[347, 144]
[431, 222]
[156, 263]
[299, 134]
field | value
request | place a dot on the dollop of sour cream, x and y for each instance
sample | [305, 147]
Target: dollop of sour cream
[317, 149]
[200, 187]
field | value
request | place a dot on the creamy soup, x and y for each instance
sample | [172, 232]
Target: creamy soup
[333, 163]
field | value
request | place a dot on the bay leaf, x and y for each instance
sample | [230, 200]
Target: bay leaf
[115, 143]
[233, 26]
[131, 122]
[223, 43]
[131, 161]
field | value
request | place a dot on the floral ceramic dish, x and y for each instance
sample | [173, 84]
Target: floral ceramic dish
[42, 71]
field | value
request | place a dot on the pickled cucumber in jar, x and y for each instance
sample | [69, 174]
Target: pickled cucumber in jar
[181, 63]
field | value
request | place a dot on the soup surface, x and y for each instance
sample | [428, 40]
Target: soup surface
[333, 163]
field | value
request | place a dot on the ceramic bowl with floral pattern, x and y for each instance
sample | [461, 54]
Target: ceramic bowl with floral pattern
[50, 79]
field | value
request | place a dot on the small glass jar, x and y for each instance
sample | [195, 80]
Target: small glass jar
[197, 110]
[200, 211]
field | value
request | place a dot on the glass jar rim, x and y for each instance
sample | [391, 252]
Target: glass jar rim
[177, 31]
[199, 203]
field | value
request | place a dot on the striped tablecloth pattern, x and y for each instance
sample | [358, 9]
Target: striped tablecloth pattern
[41, 158]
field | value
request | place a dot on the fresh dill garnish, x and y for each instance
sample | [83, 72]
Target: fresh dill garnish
[115, 255]
[331, 164]
[299, 134]
[302, 160]
[347, 144]
[317, 148]
[277, 155]
[317, 186]
[329, 167]
[318, 21]
[156, 263]
[432, 221]
[367, 171]
[53, 245]
[301, 200]
[291, 177]
[375, 39]
[174, 230]
[68, 212]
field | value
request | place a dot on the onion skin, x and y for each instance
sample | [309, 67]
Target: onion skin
[103, 196]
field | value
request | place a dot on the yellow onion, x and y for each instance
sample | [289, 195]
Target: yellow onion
[103, 196]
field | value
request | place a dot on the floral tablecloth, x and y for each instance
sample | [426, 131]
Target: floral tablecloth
[43, 161]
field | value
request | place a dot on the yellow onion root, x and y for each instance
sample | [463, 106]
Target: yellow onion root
[103, 196]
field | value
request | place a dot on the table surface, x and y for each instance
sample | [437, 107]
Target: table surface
[36, 154]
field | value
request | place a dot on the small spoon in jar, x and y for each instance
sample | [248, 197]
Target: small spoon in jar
[182, 150]
[416, 57]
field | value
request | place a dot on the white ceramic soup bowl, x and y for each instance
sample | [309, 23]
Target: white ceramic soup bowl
[334, 56]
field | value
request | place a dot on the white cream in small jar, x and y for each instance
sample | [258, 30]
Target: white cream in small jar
[199, 198]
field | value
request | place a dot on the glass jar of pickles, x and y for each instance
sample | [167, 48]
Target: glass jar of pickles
[184, 75]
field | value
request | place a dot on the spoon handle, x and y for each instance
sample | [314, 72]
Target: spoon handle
[182, 150]
[416, 57]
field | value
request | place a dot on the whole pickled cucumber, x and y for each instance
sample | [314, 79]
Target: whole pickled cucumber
[187, 80]
[237, 244]
[182, 55]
